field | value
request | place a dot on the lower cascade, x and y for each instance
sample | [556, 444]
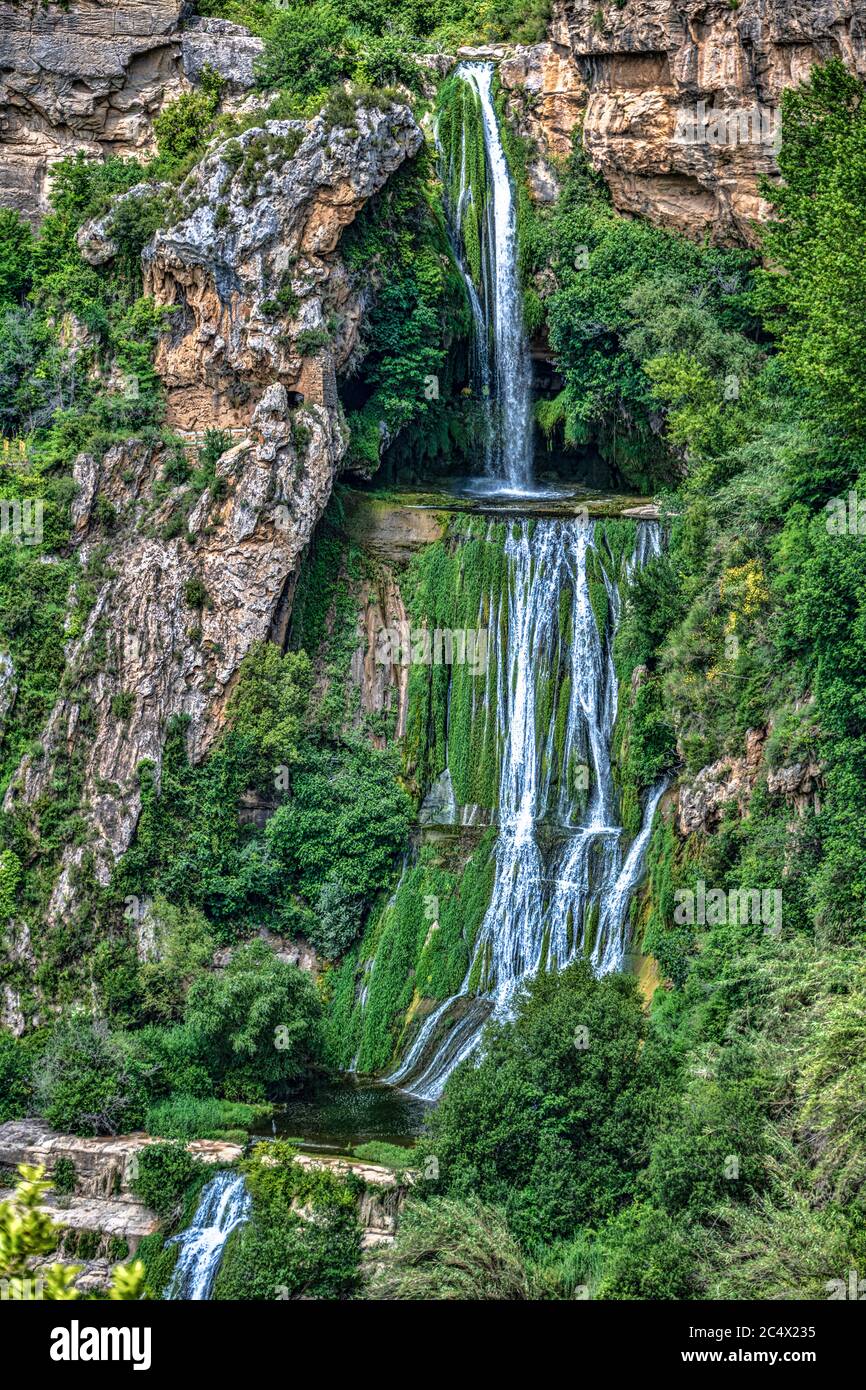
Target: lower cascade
[224, 1205]
[563, 878]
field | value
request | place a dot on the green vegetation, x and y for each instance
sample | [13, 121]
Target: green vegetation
[256, 1022]
[406, 382]
[575, 1163]
[281, 1254]
[452, 1250]
[710, 1144]
[193, 1117]
[27, 1232]
[422, 943]
[163, 1175]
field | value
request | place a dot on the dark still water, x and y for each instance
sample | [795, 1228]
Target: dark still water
[340, 1112]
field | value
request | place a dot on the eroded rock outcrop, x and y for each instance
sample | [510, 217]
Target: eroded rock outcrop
[681, 97]
[730, 782]
[91, 76]
[104, 1166]
[187, 582]
[251, 272]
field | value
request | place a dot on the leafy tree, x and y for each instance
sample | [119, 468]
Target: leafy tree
[304, 49]
[88, 1080]
[15, 1087]
[16, 250]
[337, 920]
[184, 944]
[256, 1021]
[347, 810]
[268, 704]
[553, 1123]
[647, 1257]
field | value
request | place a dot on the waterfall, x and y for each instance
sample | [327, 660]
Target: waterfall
[562, 884]
[224, 1205]
[503, 369]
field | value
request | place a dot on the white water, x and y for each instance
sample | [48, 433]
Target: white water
[224, 1205]
[498, 311]
[542, 903]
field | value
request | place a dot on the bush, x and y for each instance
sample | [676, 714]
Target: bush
[391, 1155]
[647, 1256]
[195, 593]
[552, 1131]
[447, 1250]
[16, 1092]
[280, 1254]
[173, 1060]
[337, 921]
[257, 1022]
[303, 49]
[89, 1081]
[347, 810]
[163, 1174]
[180, 127]
[184, 947]
[386, 63]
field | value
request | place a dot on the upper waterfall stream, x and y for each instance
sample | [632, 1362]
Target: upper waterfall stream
[503, 367]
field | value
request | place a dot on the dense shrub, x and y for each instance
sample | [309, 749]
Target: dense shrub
[163, 1172]
[257, 1023]
[16, 1093]
[447, 1249]
[347, 812]
[281, 1254]
[88, 1080]
[553, 1123]
[194, 1117]
[303, 49]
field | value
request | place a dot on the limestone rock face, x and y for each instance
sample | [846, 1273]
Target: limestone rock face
[104, 1166]
[91, 76]
[554, 97]
[702, 801]
[255, 253]
[681, 96]
[188, 581]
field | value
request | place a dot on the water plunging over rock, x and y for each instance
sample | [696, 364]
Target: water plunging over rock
[224, 1205]
[503, 367]
[563, 882]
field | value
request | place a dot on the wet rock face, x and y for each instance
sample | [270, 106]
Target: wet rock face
[681, 96]
[190, 581]
[92, 75]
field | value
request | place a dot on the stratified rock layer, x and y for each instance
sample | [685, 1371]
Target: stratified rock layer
[91, 76]
[681, 97]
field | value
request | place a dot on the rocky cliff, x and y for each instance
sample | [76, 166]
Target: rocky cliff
[679, 98]
[264, 319]
[91, 75]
